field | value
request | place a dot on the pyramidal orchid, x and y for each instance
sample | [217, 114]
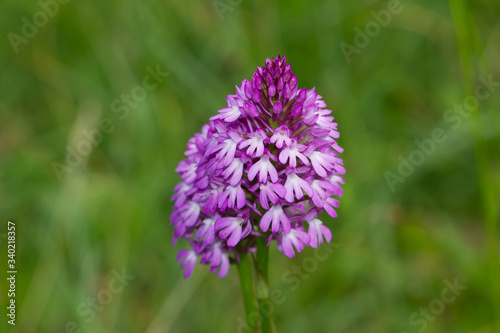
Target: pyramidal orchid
[264, 169]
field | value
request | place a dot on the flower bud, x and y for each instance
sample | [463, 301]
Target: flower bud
[301, 97]
[271, 90]
[277, 107]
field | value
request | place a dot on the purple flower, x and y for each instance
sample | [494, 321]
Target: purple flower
[255, 143]
[219, 260]
[189, 259]
[269, 192]
[235, 171]
[233, 196]
[263, 167]
[329, 204]
[316, 229]
[278, 218]
[291, 153]
[322, 190]
[206, 231]
[189, 212]
[295, 238]
[295, 187]
[281, 137]
[322, 163]
[233, 229]
[267, 165]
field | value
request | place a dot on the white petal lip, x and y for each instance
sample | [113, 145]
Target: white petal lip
[295, 238]
[294, 186]
[263, 167]
[277, 217]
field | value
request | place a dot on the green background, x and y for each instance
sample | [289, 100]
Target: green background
[397, 247]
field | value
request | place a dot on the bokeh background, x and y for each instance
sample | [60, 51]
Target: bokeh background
[109, 212]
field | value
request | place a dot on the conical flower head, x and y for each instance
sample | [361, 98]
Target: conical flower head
[266, 165]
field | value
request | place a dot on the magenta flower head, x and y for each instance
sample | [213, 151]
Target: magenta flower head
[266, 166]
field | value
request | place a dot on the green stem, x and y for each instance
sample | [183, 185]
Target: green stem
[256, 293]
[265, 306]
[247, 290]
[262, 256]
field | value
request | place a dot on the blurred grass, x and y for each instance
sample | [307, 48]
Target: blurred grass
[112, 211]
[470, 49]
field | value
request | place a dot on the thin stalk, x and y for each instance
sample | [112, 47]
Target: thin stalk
[262, 256]
[262, 286]
[247, 290]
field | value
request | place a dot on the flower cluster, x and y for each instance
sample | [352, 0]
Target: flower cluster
[266, 165]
